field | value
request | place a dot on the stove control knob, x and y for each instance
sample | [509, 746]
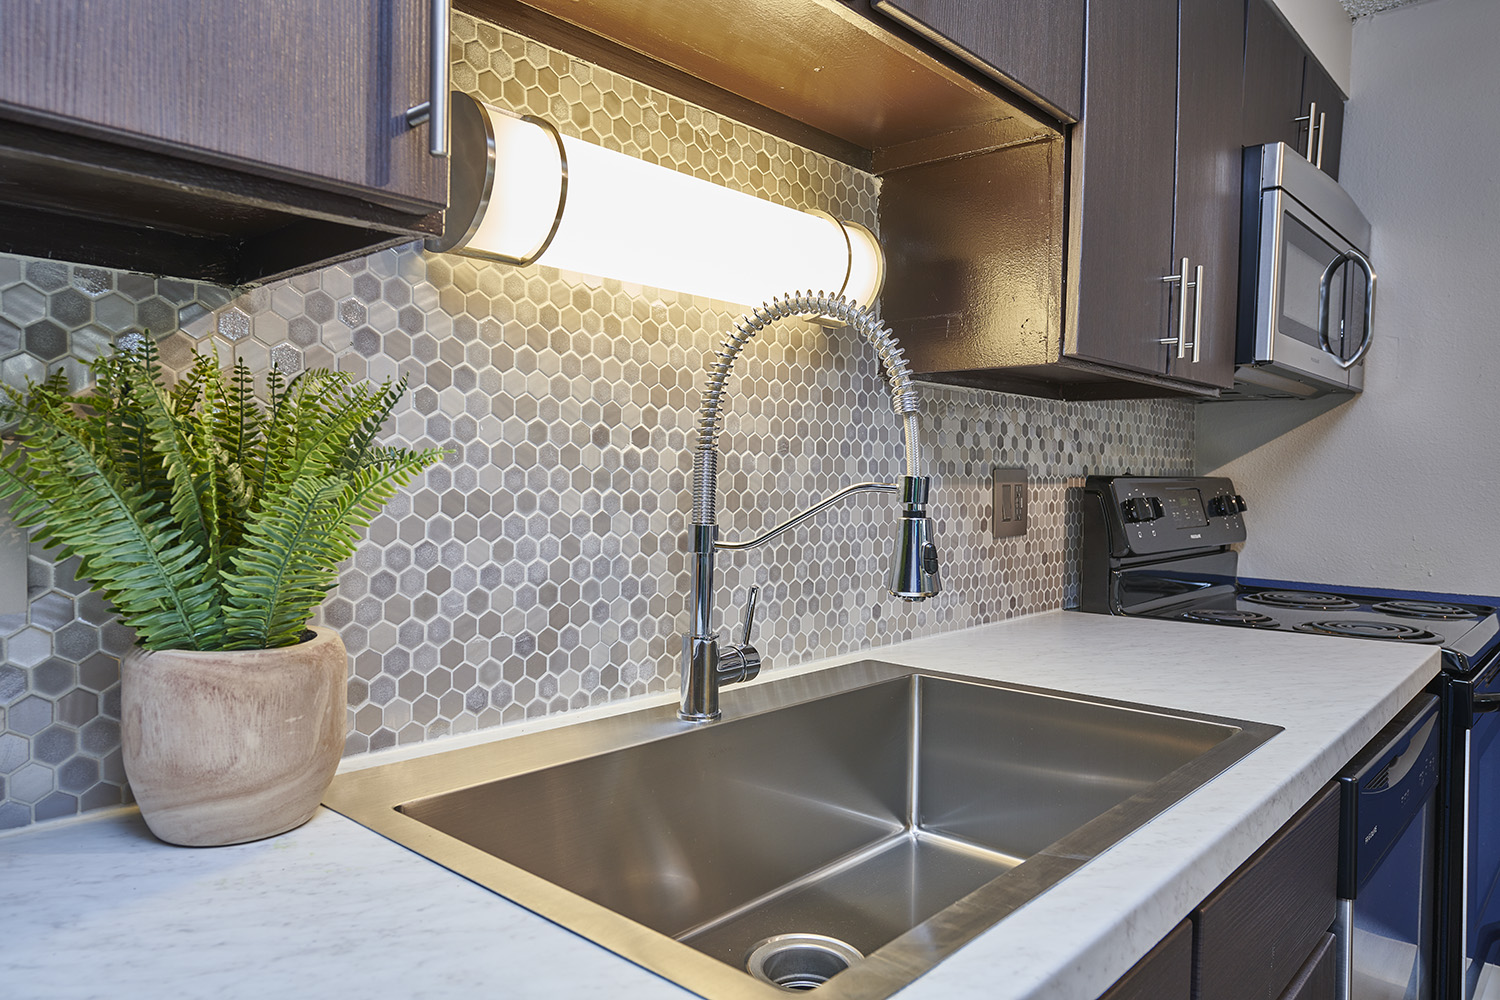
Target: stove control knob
[1141, 509]
[1221, 506]
[1239, 502]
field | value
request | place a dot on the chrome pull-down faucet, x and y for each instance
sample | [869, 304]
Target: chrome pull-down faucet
[914, 576]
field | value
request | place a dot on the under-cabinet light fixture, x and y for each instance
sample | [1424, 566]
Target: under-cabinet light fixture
[522, 193]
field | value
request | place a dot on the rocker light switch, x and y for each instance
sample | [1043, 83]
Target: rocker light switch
[1008, 514]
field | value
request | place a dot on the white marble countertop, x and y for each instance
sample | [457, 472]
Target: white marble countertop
[96, 908]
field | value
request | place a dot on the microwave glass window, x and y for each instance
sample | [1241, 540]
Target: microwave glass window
[1304, 256]
[1303, 272]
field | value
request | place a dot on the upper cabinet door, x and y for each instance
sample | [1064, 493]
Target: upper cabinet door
[1035, 47]
[310, 91]
[1209, 166]
[1274, 61]
[1318, 88]
[1124, 153]
[1289, 96]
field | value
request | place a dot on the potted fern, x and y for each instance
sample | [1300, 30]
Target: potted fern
[214, 524]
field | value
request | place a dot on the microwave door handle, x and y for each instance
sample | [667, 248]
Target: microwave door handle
[1364, 341]
[1323, 289]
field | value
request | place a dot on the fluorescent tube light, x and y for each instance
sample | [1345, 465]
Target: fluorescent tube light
[523, 193]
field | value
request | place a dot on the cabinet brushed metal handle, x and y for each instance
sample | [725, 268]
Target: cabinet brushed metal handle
[1322, 123]
[1182, 290]
[1312, 126]
[435, 110]
[1197, 311]
[1323, 286]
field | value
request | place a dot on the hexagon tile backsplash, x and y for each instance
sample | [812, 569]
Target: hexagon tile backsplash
[541, 567]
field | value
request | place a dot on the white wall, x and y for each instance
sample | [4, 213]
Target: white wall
[1399, 487]
[1325, 27]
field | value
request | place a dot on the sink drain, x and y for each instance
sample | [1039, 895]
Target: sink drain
[800, 961]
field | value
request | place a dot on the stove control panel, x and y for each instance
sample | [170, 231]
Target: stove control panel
[1142, 509]
[1225, 505]
[1150, 515]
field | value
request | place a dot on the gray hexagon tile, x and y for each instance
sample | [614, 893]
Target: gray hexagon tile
[540, 567]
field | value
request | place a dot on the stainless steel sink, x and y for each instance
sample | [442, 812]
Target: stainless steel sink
[896, 812]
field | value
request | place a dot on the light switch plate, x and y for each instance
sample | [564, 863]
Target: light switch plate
[1012, 497]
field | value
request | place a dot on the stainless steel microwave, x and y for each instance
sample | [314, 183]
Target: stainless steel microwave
[1307, 287]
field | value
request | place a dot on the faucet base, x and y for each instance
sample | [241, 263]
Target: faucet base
[700, 681]
[705, 669]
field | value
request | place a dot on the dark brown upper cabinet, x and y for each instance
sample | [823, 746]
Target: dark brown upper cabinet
[1034, 47]
[1318, 88]
[1119, 307]
[1289, 96]
[1206, 217]
[1156, 187]
[224, 142]
[1152, 177]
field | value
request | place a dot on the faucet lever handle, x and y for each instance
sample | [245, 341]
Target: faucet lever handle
[749, 615]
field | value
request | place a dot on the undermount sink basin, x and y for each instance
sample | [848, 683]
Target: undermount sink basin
[868, 810]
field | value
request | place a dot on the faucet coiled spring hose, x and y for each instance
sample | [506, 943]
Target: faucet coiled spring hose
[893, 363]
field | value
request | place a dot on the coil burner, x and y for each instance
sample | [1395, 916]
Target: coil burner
[1304, 600]
[1370, 630]
[1431, 610]
[1247, 619]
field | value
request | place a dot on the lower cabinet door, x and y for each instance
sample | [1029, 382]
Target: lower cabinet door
[1318, 979]
[1166, 973]
[1254, 933]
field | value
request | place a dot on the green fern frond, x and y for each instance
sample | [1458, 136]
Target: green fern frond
[149, 574]
[286, 566]
[380, 405]
[239, 425]
[176, 440]
[190, 388]
[209, 520]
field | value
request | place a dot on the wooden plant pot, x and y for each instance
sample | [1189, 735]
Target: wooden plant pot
[225, 747]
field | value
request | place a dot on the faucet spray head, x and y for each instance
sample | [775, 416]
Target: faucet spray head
[914, 561]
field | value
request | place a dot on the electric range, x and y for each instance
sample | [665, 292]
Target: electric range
[1166, 548]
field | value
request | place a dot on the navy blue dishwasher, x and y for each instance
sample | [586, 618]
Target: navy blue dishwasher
[1388, 857]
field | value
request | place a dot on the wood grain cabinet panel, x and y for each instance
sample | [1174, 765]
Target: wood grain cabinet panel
[1318, 87]
[1274, 64]
[1318, 978]
[1166, 973]
[1206, 227]
[1124, 152]
[1254, 934]
[226, 141]
[1282, 83]
[1035, 47]
[311, 90]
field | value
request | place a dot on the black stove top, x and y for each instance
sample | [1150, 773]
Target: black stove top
[1433, 622]
[1164, 548]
